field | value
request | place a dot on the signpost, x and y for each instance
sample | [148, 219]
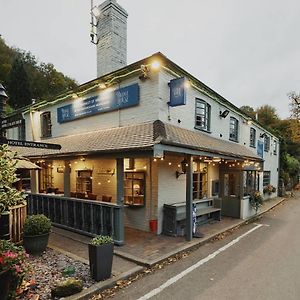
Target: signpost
[29, 144]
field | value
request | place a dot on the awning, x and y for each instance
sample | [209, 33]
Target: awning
[139, 137]
[23, 163]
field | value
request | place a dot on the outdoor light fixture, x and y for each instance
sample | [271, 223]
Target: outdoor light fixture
[145, 72]
[262, 135]
[224, 114]
[155, 65]
[183, 164]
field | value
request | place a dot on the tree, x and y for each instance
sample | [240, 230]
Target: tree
[267, 116]
[248, 110]
[18, 86]
[294, 105]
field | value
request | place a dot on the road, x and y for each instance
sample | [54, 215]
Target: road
[258, 261]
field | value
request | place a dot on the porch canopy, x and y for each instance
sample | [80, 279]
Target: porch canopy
[152, 139]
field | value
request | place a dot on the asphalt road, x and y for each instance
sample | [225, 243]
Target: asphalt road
[255, 262]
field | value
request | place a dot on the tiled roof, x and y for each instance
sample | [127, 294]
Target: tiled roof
[138, 137]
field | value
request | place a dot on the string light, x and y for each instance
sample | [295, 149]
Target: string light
[170, 163]
[155, 160]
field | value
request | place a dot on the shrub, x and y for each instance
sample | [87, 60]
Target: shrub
[37, 225]
[101, 239]
[67, 288]
[256, 200]
[14, 260]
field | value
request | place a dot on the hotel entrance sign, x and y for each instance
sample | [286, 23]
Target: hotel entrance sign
[29, 144]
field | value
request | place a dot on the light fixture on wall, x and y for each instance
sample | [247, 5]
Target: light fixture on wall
[262, 135]
[183, 164]
[224, 114]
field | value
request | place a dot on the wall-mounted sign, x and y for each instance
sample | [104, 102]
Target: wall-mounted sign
[260, 149]
[177, 92]
[107, 101]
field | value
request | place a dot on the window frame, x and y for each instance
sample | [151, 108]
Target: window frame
[46, 118]
[206, 115]
[275, 147]
[266, 178]
[234, 136]
[267, 141]
[252, 138]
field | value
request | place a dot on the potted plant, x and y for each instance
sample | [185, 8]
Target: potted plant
[269, 189]
[13, 268]
[36, 233]
[256, 200]
[101, 250]
[9, 196]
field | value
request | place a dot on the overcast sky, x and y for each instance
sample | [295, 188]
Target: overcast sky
[248, 51]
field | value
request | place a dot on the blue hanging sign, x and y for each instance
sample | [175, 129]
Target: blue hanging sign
[177, 92]
[107, 101]
[260, 149]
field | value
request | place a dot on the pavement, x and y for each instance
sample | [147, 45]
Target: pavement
[141, 249]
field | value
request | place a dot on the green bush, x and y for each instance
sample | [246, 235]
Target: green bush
[37, 225]
[101, 239]
[67, 288]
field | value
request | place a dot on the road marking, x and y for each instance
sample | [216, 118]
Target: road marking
[197, 265]
[267, 225]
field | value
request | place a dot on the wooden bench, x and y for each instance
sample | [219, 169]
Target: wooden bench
[174, 218]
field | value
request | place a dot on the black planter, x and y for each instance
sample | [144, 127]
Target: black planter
[4, 226]
[36, 244]
[101, 258]
[5, 282]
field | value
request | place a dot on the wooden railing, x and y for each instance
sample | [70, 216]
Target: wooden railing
[17, 215]
[83, 216]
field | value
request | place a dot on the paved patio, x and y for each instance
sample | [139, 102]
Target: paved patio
[146, 248]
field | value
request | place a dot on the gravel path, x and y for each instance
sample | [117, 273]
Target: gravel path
[52, 267]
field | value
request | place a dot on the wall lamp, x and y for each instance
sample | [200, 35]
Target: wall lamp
[224, 114]
[183, 168]
[262, 135]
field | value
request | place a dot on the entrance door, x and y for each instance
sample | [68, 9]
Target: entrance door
[231, 194]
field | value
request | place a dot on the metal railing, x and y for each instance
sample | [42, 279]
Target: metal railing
[83, 216]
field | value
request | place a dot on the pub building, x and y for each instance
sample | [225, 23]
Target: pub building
[139, 141]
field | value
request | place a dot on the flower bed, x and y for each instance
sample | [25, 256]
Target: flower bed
[49, 269]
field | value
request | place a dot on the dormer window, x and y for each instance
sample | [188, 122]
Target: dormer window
[233, 129]
[46, 126]
[202, 118]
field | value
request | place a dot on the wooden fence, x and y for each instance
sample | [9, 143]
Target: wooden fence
[17, 216]
[83, 216]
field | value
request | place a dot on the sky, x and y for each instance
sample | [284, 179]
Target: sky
[247, 51]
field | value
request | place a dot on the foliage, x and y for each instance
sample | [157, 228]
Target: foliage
[294, 105]
[9, 196]
[248, 110]
[101, 239]
[256, 200]
[44, 81]
[36, 225]
[269, 189]
[18, 85]
[67, 288]
[14, 260]
[267, 116]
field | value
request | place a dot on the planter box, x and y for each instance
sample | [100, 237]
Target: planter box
[12, 223]
[101, 258]
[5, 282]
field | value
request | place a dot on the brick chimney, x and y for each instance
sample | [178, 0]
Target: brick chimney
[112, 35]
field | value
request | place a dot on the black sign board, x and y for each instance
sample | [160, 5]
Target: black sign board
[29, 144]
[12, 121]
